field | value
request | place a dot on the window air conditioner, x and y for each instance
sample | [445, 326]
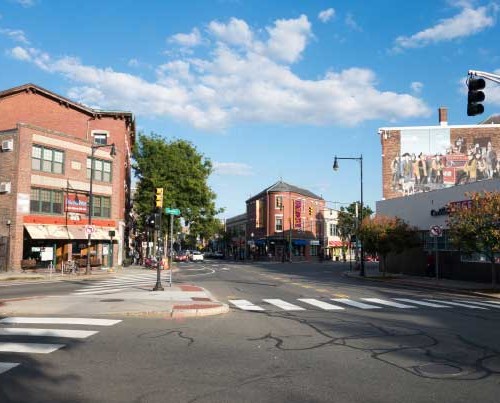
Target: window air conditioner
[4, 187]
[7, 145]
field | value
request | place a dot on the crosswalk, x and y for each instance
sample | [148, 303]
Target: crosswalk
[25, 282]
[133, 281]
[341, 304]
[11, 335]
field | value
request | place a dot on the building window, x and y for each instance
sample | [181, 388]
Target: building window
[102, 170]
[47, 159]
[279, 202]
[333, 230]
[100, 138]
[46, 201]
[278, 219]
[101, 206]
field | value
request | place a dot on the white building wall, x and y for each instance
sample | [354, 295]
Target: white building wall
[416, 209]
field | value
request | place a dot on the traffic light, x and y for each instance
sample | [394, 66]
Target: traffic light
[475, 96]
[310, 210]
[159, 197]
[157, 221]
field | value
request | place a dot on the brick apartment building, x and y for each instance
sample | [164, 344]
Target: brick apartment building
[45, 167]
[284, 218]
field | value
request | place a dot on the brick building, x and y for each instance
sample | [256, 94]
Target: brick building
[45, 168]
[284, 218]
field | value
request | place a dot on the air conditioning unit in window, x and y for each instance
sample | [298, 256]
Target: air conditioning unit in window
[4, 187]
[7, 145]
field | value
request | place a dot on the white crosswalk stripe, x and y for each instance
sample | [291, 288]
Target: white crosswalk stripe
[286, 306]
[489, 305]
[457, 304]
[115, 285]
[429, 304]
[21, 347]
[355, 304]
[321, 304]
[245, 305]
[387, 303]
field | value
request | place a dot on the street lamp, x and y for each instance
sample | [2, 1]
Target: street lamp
[335, 168]
[112, 153]
[8, 223]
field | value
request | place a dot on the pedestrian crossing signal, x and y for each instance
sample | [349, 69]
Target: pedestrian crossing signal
[159, 197]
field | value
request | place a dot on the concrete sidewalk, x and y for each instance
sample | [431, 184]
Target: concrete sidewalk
[373, 274]
[178, 301]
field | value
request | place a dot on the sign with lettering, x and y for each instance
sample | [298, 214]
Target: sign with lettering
[297, 214]
[76, 203]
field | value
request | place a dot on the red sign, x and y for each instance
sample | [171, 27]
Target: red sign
[76, 203]
[297, 216]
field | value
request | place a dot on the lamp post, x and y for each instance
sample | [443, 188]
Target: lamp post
[8, 223]
[335, 168]
[112, 153]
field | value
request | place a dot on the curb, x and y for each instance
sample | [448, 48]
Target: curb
[424, 286]
[179, 313]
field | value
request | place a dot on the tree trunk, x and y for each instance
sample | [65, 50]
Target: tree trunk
[384, 257]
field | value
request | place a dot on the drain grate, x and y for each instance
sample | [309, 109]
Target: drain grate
[112, 300]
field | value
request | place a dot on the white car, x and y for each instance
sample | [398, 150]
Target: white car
[196, 256]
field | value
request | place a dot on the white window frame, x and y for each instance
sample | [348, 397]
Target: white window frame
[276, 217]
[96, 133]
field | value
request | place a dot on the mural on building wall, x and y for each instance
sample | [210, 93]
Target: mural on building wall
[428, 159]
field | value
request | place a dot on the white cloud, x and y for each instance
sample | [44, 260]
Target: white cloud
[468, 22]
[26, 3]
[326, 15]
[232, 168]
[236, 32]
[16, 35]
[288, 38]
[20, 53]
[245, 78]
[416, 86]
[187, 40]
[351, 23]
[492, 91]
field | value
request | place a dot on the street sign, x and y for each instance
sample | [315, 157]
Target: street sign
[173, 211]
[89, 229]
[436, 231]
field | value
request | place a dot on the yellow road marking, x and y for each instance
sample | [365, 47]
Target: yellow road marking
[306, 286]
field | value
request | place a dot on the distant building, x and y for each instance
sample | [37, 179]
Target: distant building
[45, 168]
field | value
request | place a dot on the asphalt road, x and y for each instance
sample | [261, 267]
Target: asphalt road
[387, 354]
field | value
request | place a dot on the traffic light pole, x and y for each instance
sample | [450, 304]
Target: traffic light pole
[483, 74]
[158, 286]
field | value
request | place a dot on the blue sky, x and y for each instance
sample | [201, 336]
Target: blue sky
[267, 90]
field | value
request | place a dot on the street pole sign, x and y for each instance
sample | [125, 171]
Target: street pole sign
[173, 211]
[436, 231]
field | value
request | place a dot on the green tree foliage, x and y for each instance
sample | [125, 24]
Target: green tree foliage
[384, 235]
[347, 222]
[475, 227]
[178, 168]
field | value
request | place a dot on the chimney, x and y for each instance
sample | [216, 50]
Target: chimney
[443, 116]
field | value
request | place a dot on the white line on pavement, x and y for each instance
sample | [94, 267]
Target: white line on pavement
[21, 331]
[429, 304]
[387, 303]
[456, 304]
[321, 304]
[58, 321]
[245, 305]
[355, 303]
[284, 305]
[5, 366]
[30, 348]
[103, 291]
[481, 303]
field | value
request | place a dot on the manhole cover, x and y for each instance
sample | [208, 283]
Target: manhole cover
[438, 369]
[112, 300]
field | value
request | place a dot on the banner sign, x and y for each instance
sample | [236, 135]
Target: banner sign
[297, 216]
[76, 203]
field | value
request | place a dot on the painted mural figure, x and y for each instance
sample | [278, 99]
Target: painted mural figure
[491, 160]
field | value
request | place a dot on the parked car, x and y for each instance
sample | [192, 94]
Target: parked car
[196, 256]
[218, 255]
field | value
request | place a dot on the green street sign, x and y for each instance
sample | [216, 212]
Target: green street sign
[173, 211]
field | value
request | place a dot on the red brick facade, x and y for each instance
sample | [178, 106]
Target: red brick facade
[32, 116]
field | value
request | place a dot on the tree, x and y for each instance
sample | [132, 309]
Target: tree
[347, 223]
[475, 227]
[383, 235]
[178, 168]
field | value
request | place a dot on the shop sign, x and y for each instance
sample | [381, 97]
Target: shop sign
[297, 216]
[314, 242]
[76, 203]
[451, 207]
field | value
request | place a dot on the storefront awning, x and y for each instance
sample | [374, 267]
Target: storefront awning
[41, 231]
[47, 231]
[335, 244]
